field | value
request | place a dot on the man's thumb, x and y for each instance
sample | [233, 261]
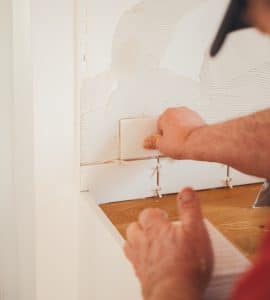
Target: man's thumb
[189, 209]
[152, 142]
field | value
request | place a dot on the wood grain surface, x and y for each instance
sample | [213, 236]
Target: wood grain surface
[230, 210]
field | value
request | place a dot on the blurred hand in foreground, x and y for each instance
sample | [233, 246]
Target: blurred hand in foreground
[173, 261]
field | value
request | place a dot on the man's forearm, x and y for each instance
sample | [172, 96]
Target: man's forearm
[174, 291]
[242, 143]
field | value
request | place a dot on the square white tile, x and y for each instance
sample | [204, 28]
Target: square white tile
[115, 182]
[132, 135]
[175, 175]
[239, 178]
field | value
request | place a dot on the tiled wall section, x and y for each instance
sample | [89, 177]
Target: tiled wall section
[139, 57]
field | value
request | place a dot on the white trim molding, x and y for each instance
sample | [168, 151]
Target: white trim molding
[46, 153]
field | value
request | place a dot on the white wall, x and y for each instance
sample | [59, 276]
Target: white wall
[8, 251]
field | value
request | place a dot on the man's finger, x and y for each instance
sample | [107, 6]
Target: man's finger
[134, 233]
[190, 210]
[193, 224]
[129, 252]
[152, 219]
[152, 142]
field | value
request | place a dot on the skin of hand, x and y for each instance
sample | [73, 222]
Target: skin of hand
[242, 143]
[174, 127]
[173, 261]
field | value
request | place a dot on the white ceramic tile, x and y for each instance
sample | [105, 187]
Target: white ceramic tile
[239, 178]
[132, 135]
[175, 175]
[119, 181]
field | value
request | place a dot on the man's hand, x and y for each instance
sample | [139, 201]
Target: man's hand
[242, 143]
[173, 261]
[174, 127]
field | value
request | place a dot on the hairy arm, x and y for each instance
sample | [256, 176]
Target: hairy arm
[242, 143]
[173, 291]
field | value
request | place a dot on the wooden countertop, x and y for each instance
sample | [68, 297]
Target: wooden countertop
[229, 210]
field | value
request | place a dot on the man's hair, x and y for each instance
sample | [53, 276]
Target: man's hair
[234, 20]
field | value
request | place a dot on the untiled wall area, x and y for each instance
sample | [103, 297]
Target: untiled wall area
[137, 58]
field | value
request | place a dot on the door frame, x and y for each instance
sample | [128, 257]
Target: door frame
[46, 148]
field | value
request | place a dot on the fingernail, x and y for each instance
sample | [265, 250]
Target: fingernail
[147, 143]
[186, 196]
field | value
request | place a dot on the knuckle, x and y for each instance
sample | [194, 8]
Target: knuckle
[170, 110]
[174, 110]
[128, 252]
[162, 213]
[187, 189]
[131, 229]
[147, 213]
[126, 248]
[183, 109]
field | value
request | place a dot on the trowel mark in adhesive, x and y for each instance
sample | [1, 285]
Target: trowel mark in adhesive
[231, 65]
[96, 92]
[97, 31]
[249, 81]
[192, 37]
[145, 32]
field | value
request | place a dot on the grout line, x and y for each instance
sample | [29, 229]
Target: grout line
[119, 161]
[139, 117]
